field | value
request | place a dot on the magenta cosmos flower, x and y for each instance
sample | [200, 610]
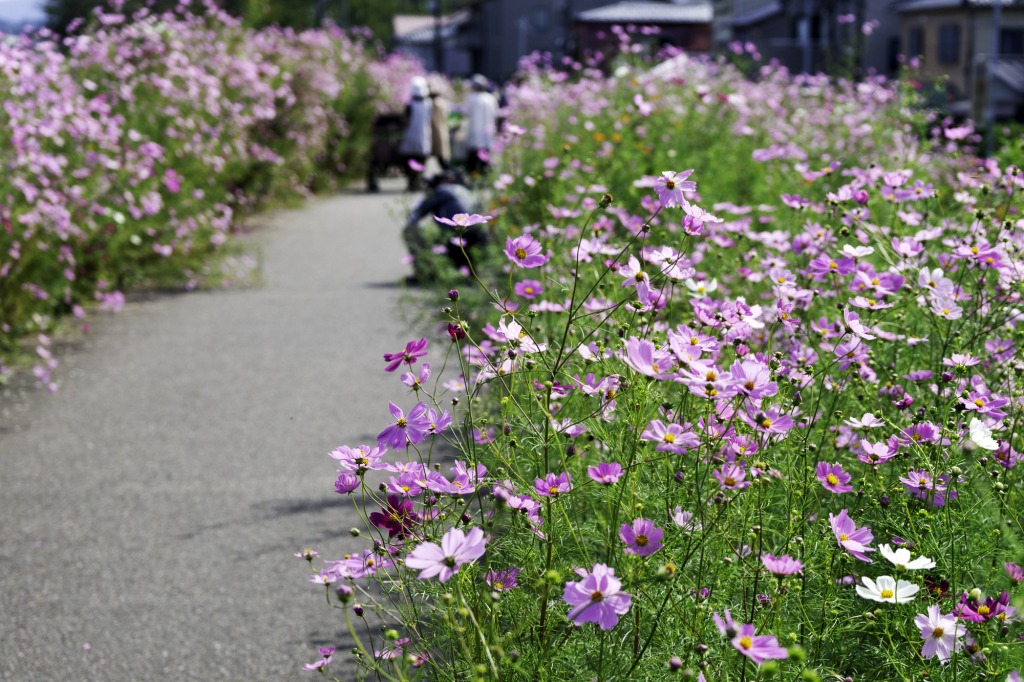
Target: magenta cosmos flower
[597, 598]
[525, 251]
[941, 634]
[833, 477]
[456, 549]
[757, 648]
[413, 350]
[854, 540]
[642, 538]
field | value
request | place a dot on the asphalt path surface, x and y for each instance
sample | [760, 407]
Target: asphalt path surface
[150, 508]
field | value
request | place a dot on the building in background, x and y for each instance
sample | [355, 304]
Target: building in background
[832, 36]
[419, 35]
[684, 24]
[954, 39]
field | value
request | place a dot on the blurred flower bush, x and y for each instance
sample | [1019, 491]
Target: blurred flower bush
[130, 149]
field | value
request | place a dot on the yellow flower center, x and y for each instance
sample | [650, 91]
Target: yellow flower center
[831, 478]
[746, 643]
[843, 537]
[984, 610]
[641, 541]
[886, 594]
[729, 480]
[520, 253]
[833, 265]
[766, 423]
[670, 184]
[669, 438]
[938, 633]
[401, 423]
[749, 385]
[979, 402]
[553, 490]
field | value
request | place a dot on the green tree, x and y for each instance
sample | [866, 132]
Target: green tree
[299, 14]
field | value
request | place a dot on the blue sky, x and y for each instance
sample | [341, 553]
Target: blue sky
[21, 10]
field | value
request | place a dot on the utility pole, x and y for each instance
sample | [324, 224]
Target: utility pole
[438, 37]
[990, 86]
[805, 37]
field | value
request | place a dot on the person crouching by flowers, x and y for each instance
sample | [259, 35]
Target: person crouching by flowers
[455, 231]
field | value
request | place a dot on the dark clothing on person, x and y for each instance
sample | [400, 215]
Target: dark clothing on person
[446, 200]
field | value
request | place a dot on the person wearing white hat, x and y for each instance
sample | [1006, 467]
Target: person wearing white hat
[481, 115]
[415, 146]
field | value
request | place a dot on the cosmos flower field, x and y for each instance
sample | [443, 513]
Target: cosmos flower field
[734, 397]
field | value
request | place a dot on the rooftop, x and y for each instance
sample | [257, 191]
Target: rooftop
[922, 5]
[634, 12]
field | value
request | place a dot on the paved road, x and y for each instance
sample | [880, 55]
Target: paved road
[149, 509]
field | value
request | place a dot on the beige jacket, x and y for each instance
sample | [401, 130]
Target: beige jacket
[439, 134]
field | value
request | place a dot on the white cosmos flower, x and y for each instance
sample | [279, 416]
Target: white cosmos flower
[900, 558]
[701, 288]
[887, 589]
[981, 435]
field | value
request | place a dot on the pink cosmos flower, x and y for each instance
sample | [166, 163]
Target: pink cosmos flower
[642, 356]
[642, 538]
[528, 288]
[416, 381]
[597, 598]
[346, 483]
[360, 458]
[525, 251]
[731, 477]
[553, 485]
[502, 581]
[833, 478]
[743, 637]
[685, 520]
[457, 549]
[326, 652]
[941, 634]
[671, 185]
[172, 181]
[411, 428]
[463, 220]
[671, 438]
[783, 565]
[854, 540]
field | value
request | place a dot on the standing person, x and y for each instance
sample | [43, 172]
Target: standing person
[415, 146]
[440, 134]
[482, 113]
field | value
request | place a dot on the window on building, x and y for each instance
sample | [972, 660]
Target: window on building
[915, 42]
[1011, 41]
[949, 44]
